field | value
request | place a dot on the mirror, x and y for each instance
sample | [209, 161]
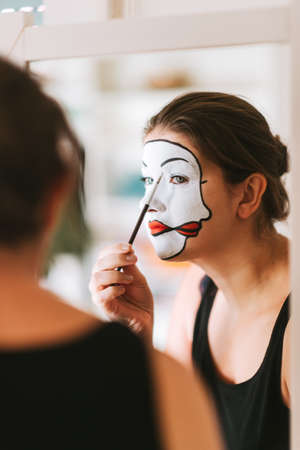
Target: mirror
[109, 100]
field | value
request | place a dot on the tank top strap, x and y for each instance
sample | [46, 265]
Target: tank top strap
[208, 291]
[273, 353]
[206, 285]
[282, 318]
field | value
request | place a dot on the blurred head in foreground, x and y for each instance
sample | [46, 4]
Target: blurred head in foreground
[40, 161]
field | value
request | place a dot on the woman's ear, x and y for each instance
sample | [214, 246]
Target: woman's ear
[253, 189]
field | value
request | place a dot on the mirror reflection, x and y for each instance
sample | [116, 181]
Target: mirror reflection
[109, 101]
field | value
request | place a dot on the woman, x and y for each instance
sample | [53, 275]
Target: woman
[67, 380]
[220, 194]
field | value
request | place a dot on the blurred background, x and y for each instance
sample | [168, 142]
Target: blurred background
[109, 101]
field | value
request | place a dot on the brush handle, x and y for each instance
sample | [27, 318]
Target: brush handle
[138, 224]
[137, 227]
[142, 214]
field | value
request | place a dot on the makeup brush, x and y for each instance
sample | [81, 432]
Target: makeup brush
[143, 212]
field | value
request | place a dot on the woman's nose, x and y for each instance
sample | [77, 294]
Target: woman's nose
[159, 200]
[156, 205]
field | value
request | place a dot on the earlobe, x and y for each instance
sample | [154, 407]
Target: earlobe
[253, 189]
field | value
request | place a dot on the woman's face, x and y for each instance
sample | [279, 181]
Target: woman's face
[192, 209]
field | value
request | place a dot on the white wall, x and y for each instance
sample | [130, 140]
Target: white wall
[177, 7]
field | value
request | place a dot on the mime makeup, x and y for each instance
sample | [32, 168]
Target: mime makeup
[178, 209]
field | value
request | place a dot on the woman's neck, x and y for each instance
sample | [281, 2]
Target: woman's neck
[18, 266]
[31, 316]
[243, 271]
[25, 259]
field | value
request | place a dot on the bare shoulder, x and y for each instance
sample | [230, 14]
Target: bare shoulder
[186, 304]
[287, 337]
[192, 279]
[188, 297]
[185, 411]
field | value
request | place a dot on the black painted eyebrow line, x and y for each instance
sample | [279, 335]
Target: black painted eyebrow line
[173, 159]
[170, 142]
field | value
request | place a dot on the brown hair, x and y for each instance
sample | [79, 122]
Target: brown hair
[236, 137]
[37, 149]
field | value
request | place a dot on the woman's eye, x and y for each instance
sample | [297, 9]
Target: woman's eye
[178, 179]
[147, 180]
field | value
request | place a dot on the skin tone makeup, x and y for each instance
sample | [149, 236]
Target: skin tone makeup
[178, 208]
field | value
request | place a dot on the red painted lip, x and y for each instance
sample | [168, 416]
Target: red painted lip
[189, 229]
[157, 227]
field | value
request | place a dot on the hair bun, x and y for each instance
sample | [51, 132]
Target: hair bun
[283, 163]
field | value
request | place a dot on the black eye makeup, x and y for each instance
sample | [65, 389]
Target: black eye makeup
[174, 179]
[178, 179]
[147, 180]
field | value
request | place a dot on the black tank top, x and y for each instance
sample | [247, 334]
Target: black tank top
[92, 393]
[253, 415]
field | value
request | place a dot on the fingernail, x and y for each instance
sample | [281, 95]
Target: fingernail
[125, 247]
[130, 257]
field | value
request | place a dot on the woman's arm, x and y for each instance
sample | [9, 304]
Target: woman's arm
[186, 303]
[286, 366]
[185, 412]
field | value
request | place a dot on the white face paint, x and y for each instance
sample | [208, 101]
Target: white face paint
[178, 208]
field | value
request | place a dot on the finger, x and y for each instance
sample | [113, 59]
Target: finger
[115, 248]
[101, 280]
[108, 294]
[113, 261]
[112, 249]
